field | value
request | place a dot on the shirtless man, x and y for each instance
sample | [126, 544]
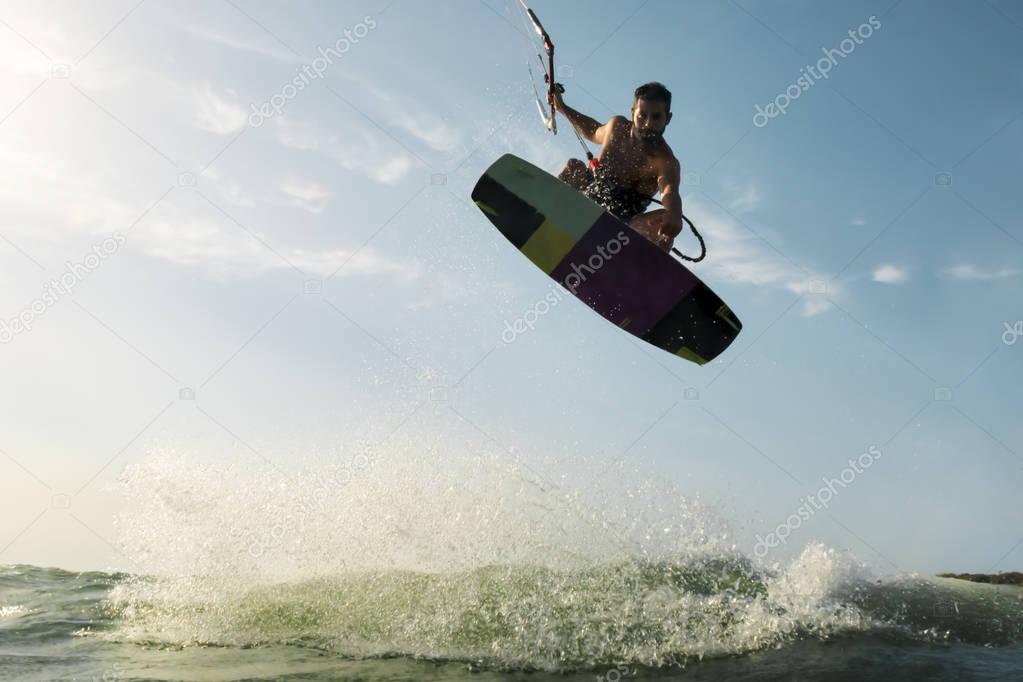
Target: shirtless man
[634, 164]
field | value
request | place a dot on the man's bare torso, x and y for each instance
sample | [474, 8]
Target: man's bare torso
[632, 164]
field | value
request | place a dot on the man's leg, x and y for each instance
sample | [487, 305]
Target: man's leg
[575, 174]
[649, 225]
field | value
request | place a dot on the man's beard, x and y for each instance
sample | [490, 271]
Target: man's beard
[650, 137]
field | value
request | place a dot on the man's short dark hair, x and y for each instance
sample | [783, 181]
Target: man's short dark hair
[653, 91]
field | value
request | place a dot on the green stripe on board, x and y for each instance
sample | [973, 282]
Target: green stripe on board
[573, 212]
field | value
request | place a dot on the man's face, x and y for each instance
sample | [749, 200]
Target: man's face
[649, 118]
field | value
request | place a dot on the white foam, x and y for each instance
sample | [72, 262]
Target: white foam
[435, 554]
[12, 611]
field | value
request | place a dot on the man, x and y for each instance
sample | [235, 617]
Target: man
[634, 163]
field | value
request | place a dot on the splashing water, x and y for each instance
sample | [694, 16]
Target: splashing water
[468, 558]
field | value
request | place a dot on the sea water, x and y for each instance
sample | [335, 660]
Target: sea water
[433, 567]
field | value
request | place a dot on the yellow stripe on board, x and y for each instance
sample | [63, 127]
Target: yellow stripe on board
[548, 246]
[690, 355]
[485, 208]
[725, 314]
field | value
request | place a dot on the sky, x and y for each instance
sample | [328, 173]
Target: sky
[267, 274]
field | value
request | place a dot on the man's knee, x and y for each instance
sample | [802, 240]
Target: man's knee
[571, 167]
[574, 173]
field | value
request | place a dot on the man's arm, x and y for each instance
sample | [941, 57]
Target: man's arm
[668, 183]
[588, 127]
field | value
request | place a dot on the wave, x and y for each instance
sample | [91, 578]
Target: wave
[478, 560]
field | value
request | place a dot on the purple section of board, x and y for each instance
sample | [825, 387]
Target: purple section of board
[611, 288]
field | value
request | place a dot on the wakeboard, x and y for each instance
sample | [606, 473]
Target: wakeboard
[608, 266]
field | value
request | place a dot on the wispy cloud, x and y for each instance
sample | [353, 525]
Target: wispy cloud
[58, 196]
[747, 198]
[234, 41]
[890, 274]
[390, 171]
[360, 149]
[426, 124]
[219, 248]
[974, 272]
[310, 196]
[427, 128]
[218, 114]
[228, 187]
[741, 257]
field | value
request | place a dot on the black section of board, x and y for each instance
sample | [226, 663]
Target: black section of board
[516, 219]
[700, 323]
